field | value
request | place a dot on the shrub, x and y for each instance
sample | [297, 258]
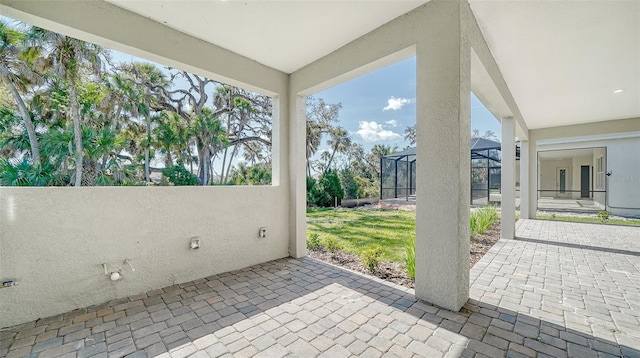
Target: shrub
[349, 183]
[410, 259]
[323, 192]
[313, 241]
[24, 173]
[371, 258]
[258, 174]
[481, 220]
[331, 244]
[604, 215]
[316, 196]
[368, 187]
[330, 184]
[179, 175]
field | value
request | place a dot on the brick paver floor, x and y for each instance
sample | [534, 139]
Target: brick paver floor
[560, 289]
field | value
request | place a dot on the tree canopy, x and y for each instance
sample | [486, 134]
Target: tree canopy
[70, 115]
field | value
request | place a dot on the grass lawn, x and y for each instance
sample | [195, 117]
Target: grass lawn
[592, 220]
[359, 230]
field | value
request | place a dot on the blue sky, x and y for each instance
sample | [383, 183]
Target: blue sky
[378, 106]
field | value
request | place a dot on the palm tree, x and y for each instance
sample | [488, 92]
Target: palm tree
[340, 141]
[69, 59]
[16, 74]
[209, 134]
[320, 116]
[136, 97]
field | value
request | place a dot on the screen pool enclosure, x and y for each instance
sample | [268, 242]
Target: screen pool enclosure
[398, 172]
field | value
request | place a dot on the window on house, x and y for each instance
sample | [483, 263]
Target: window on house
[600, 172]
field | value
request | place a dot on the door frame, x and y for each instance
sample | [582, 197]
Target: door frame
[582, 178]
[559, 193]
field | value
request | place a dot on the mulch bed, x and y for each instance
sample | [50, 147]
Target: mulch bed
[394, 272]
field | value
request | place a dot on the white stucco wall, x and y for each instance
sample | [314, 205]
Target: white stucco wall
[623, 186]
[443, 34]
[54, 241]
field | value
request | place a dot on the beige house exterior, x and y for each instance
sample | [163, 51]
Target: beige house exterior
[533, 64]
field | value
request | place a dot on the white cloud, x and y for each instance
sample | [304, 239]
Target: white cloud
[392, 123]
[375, 132]
[394, 104]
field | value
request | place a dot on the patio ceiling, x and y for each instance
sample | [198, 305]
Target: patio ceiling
[285, 35]
[562, 60]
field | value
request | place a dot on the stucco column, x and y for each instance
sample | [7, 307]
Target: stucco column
[524, 179]
[443, 160]
[508, 179]
[533, 177]
[297, 177]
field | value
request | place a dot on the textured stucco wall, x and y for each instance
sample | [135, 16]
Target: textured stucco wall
[623, 186]
[54, 240]
[442, 34]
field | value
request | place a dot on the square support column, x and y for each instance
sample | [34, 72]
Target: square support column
[524, 179]
[443, 162]
[533, 179]
[508, 180]
[297, 176]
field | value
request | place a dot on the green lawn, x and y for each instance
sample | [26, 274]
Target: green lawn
[593, 220]
[359, 230]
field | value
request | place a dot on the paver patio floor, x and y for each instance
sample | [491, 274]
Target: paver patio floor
[559, 289]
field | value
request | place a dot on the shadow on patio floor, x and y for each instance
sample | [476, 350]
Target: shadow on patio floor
[297, 308]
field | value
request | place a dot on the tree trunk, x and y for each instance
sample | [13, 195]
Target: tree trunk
[233, 154]
[26, 117]
[77, 132]
[222, 169]
[204, 165]
[335, 149]
[168, 162]
[147, 174]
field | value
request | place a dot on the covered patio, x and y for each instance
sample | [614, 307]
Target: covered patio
[559, 289]
[63, 245]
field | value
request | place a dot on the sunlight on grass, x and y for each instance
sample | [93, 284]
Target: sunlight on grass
[391, 233]
[481, 220]
[361, 230]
